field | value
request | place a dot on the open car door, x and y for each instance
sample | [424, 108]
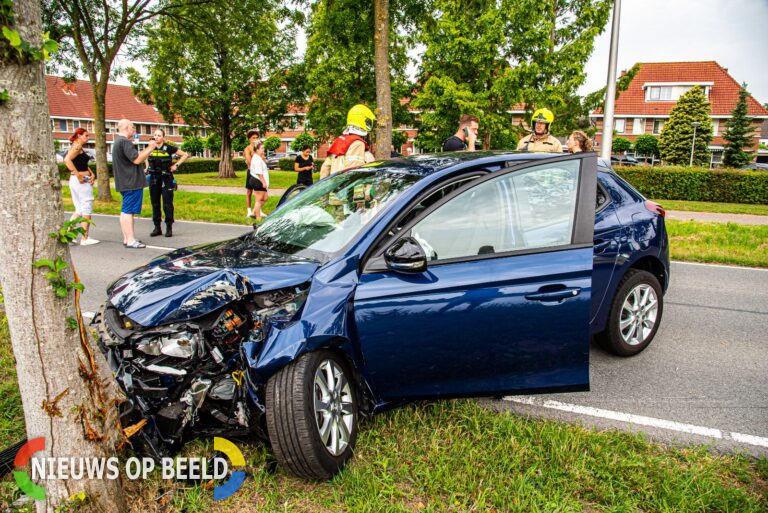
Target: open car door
[503, 305]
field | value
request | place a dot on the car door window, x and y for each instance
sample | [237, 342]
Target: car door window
[524, 210]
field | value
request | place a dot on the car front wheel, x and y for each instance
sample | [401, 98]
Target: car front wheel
[312, 415]
[635, 314]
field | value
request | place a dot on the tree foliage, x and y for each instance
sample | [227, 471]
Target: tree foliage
[193, 144]
[272, 143]
[339, 62]
[399, 138]
[676, 137]
[488, 58]
[302, 139]
[621, 144]
[739, 135]
[647, 145]
[219, 64]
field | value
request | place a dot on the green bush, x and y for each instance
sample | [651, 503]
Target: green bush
[698, 184]
[64, 172]
[286, 164]
[193, 165]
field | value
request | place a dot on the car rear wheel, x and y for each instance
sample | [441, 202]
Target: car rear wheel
[635, 314]
[312, 415]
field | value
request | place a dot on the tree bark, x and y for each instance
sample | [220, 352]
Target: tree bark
[100, 130]
[383, 85]
[226, 170]
[60, 370]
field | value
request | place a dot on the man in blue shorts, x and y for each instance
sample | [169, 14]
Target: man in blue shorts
[129, 178]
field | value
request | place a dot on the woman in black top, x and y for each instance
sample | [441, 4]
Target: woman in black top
[303, 165]
[81, 180]
[160, 169]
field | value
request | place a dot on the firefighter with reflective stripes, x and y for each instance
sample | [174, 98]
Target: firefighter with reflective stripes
[351, 148]
[160, 169]
[541, 140]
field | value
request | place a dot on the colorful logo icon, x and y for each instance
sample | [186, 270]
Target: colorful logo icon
[22, 458]
[235, 481]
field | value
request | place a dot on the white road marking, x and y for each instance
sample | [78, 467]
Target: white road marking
[161, 248]
[721, 265]
[641, 420]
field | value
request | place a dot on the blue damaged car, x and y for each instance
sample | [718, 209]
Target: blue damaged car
[435, 276]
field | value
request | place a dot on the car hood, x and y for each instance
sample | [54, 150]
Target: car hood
[191, 282]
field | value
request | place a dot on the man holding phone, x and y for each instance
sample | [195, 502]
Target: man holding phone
[466, 135]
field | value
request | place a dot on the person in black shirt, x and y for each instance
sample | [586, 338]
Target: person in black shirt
[303, 165]
[160, 168]
[466, 135]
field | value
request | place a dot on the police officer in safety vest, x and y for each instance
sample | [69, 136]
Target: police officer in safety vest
[541, 140]
[351, 149]
[160, 169]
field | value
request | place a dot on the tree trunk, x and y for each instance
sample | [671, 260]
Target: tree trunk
[100, 130]
[67, 392]
[226, 170]
[383, 87]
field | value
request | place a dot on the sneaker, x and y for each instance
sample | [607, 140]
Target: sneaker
[90, 241]
[136, 244]
[250, 213]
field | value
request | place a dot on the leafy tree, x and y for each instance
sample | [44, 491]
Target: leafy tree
[621, 144]
[399, 138]
[193, 145]
[647, 145]
[304, 138]
[676, 137]
[485, 57]
[213, 144]
[239, 143]
[67, 390]
[339, 63]
[272, 143]
[92, 34]
[219, 64]
[739, 135]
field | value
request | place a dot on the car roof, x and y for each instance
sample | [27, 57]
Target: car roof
[430, 163]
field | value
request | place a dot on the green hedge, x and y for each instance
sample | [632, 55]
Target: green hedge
[193, 165]
[698, 184]
[286, 164]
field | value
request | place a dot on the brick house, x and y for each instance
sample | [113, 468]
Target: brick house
[71, 106]
[646, 104]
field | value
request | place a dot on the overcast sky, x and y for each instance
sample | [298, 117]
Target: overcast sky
[732, 32]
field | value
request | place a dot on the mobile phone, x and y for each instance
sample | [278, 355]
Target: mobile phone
[466, 132]
[87, 179]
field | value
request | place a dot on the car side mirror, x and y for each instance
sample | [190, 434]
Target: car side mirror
[406, 256]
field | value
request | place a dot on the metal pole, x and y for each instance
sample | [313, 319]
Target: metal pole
[610, 92]
[693, 143]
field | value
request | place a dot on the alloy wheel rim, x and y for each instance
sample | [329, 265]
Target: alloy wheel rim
[334, 407]
[638, 314]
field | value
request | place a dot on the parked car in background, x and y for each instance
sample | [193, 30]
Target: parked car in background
[433, 276]
[757, 166]
[273, 162]
[624, 160]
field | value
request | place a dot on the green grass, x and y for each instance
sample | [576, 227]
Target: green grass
[277, 179]
[724, 243]
[719, 208]
[11, 415]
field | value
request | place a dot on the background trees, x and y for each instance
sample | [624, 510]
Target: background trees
[677, 135]
[647, 145]
[221, 64]
[738, 134]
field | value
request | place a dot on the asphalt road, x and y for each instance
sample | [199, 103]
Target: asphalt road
[703, 379]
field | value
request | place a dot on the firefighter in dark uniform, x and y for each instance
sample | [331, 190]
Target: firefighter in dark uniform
[160, 169]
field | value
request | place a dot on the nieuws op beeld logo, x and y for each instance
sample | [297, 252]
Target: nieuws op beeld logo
[135, 468]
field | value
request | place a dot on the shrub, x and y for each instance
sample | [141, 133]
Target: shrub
[647, 145]
[286, 164]
[272, 143]
[621, 144]
[302, 139]
[193, 165]
[698, 184]
[64, 172]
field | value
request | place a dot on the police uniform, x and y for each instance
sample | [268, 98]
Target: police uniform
[545, 144]
[161, 184]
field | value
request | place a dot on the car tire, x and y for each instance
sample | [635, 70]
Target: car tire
[312, 429]
[635, 314]
[293, 190]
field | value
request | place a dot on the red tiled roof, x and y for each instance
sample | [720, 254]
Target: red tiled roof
[121, 103]
[723, 95]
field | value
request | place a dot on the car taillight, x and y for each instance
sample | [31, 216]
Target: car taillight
[655, 207]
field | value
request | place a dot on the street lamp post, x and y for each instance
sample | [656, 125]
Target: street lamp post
[693, 143]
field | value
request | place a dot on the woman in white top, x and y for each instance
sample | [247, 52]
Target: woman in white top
[260, 173]
[81, 182]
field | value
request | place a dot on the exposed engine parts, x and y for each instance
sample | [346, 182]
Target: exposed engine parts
[189, 379]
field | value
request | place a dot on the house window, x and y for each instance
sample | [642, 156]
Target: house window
[659, 93]
[639, 126]
[62, 125]
[294, 123]
[658, 124]
[619, 125]
[171, 130]
[75, 124]
[148, 129]
[715, 126]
